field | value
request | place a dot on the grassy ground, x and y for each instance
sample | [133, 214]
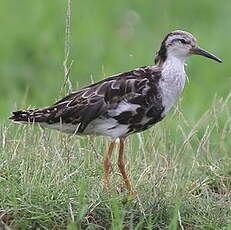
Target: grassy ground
[180, 168]
[181, 172]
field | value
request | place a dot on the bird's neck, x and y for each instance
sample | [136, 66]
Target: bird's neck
[172, 81]
[173, 70]
[173, 64]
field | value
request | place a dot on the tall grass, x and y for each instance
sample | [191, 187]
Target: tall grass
[180, 168]
[181, 172]
[107, 38]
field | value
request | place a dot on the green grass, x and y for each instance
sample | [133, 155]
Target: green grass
[181, 172]
[180, 168]
[107, 38]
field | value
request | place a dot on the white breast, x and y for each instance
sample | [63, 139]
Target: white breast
[172, 82]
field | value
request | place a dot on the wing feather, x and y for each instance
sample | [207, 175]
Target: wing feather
[81, 107]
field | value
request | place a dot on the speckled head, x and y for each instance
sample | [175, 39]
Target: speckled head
[180, 44]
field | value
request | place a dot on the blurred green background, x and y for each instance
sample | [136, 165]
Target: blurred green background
[107, 37]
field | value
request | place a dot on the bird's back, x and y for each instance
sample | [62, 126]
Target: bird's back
[117, 106]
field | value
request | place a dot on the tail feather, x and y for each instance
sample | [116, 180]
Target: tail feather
[31, 115]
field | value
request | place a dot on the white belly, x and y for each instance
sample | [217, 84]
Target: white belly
[106, 127]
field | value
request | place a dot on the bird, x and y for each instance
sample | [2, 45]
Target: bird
[123, 104]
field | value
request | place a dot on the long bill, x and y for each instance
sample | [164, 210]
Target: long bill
[199, 51]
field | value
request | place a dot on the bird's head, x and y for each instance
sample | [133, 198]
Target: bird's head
[180, 44]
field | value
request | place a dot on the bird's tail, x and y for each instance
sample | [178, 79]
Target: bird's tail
[30, 116]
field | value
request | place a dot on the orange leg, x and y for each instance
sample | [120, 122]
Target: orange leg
[107, 165]
[121, 166]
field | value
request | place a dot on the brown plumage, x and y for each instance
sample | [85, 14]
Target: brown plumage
[124, 103]
[139, 86]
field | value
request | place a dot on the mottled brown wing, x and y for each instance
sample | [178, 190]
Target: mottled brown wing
[86, 104]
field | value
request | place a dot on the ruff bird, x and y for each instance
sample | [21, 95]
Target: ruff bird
[124, 103]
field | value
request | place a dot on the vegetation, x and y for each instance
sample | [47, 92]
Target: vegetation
[107, 38]
[181, 174]
[180, 168]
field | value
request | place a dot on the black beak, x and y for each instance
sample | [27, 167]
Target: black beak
[199, 51]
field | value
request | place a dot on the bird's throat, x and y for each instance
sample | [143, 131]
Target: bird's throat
[172, 81]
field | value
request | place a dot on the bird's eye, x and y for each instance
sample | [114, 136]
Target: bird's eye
[183, 41]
